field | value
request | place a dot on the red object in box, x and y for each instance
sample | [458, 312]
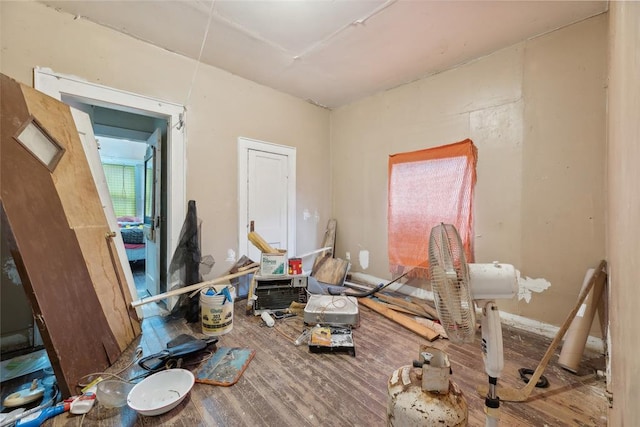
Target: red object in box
[295, 266]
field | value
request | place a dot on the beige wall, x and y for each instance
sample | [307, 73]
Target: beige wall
[536, 112]
[222, 108]
[623, 229]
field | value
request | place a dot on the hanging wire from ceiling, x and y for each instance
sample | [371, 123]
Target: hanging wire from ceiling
[204, 41]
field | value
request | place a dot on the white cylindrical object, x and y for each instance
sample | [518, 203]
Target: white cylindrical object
[216, 311]
[268, 319]
[576, 337]
[493, 281]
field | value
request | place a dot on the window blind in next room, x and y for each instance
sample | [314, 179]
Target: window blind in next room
[121, 180]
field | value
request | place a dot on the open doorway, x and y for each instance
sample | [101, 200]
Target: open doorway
[123, 162]
[130, 147]
[126, 116]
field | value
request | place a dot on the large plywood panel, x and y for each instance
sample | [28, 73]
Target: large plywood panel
[82, 206]
[60, 274]
[72, 177]
[109, 282]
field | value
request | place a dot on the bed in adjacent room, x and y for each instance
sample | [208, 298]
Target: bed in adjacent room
[133, 237]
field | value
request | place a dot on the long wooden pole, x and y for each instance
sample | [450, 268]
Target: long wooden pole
[193, 287]
[317, 251]
[201, 285]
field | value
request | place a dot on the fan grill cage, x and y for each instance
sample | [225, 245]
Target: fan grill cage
[449, 277]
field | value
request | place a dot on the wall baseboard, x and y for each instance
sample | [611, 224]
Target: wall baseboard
[594, 344]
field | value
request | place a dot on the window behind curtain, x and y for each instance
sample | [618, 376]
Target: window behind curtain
[121, 180]
[428, 187]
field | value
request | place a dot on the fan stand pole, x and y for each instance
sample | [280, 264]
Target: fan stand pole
[492, 404]
[521, 395]
[493, 360]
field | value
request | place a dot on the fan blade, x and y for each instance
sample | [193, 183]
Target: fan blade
[448, 303]
[449, 278]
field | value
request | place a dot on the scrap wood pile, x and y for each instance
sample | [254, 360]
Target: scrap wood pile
[415, 314]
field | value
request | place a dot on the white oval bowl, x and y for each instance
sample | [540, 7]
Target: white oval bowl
[160, 392]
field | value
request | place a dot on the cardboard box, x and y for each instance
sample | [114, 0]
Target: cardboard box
[273, 264]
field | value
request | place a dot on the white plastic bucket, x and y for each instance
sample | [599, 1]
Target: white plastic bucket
[216, 312]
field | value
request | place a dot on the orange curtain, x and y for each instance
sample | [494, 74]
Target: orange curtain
[428, 187]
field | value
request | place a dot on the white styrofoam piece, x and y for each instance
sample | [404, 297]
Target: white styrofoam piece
[332, 310]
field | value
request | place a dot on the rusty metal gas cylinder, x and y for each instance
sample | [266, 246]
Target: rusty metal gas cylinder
[424, 395]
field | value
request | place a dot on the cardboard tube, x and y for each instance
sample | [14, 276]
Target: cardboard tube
[577, 334]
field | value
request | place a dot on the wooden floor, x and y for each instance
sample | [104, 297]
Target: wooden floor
[286, 385]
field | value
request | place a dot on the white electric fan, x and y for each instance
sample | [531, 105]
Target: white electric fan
[456, 287]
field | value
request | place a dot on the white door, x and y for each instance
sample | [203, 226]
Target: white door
[267, 199]
[90, 146]
[266, 195]
[151, 226]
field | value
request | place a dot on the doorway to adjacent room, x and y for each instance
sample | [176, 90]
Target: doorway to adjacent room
[126, 116]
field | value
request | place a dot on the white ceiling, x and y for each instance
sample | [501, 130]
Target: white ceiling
[332, 52]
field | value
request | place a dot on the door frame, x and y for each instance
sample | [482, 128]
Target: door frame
[56, 85]
[244, 145]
